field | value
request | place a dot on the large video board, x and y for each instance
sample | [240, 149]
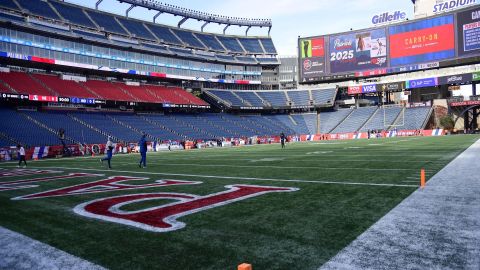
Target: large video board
[408, 46]
[358, 51]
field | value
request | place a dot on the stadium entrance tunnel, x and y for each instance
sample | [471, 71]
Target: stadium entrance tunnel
[470, 116]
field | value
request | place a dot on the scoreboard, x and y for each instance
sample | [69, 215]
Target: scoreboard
[408, 46]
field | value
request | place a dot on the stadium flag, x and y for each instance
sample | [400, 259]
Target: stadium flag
[40, 152]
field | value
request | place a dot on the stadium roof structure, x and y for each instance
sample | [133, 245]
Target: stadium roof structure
[186, 14]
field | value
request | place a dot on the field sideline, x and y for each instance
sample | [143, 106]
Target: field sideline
[343, 188]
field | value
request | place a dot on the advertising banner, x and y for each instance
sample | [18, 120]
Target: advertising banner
[313, 58]
[352, 90]
[391, 87]
[372, 88]
[468, 32]
[77, 100]
[358, 51]
[427, 82]
[455, 79]
[423, 41]
[476, 76]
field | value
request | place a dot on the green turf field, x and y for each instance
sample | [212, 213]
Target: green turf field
[344, 187]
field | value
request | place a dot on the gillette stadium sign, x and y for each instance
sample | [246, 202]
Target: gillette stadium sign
[386, 17]
[448, 5]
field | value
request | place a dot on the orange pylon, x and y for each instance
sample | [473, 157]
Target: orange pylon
[422, 178]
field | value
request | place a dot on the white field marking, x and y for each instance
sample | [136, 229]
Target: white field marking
[267, 159]
[319, 153]
[333, 143]
[21, 252]
[407, 181]
[268, 166]
[375, 144]
[245, 178]
[353, 147]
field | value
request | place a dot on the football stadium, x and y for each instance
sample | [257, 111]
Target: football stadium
[157, 142]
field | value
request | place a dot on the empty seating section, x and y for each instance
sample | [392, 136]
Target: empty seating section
[229, 97]
[383, 119]
[64, 88]
[40, 8]
[184, 130]
[164, 34]
[210, 41]
[287, 122]
[109, 126]
[324, 96]
[246, 59]
[299, 98]
[251, 98]
[106, 90]
[267, 60]
[8, 17]
[355, 120]
[138, 92]
[188, 97]
[108, 22]
[140, 123]
[329, 120]
[231, 44]
[301, 126]
[251, 45]
[6, 143]
[23, 83]
[189, 38]
[17, 126]
[73, 14]
[268, 45]
[74, 129]
[228, 58]
[311, 122]
[8, 4]
[415, 118]
[137, 28]
[275, 98]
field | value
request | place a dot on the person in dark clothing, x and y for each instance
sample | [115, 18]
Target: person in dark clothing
[306, 48]
[143, 152]
[21, 156]
[282, 139]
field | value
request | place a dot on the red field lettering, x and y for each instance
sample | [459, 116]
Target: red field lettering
[21, 184]
[164, 218]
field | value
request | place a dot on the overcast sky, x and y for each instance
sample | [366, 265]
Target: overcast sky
[291, 18]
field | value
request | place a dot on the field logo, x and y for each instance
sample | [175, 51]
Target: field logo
[113, 183]
[164, 218]
[22, 184]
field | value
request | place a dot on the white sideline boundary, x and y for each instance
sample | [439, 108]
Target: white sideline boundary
[20, 252]
[434, 228]
[237, 178]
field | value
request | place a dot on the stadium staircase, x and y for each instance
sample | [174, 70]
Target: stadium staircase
[219, 127]
[106, 134]
[239, 125]
[158, 124]
[402, 112]
[5, 138]
[8, 87]
[42, 125]
[341, 122]
[53, 92]
[190, 125]
[121, 123]
[89, 90]
[372, 116]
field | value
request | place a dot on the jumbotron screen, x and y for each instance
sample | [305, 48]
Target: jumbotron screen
[413, 45]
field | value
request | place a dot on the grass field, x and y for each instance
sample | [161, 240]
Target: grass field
[344, 187]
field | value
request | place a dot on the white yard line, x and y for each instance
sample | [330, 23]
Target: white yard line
[242, 178]
[434, 228]
[21, 252]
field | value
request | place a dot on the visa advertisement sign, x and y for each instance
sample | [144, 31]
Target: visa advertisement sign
[362, 89]
[372, 88]
[420, 83]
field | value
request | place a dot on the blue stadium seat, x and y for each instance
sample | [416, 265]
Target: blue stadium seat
[136, 28]
[251, 98]
[189, 38]
[355, 120]
[415, 118]
[268, 45]
[267, 60]
[324, 96]
[329, 120]
[164, 34]
[383, 119]
[231, 44]
[246, 59]
[40, 8]
[9, 4]
[228, 58]
[252, 45]
[106, 21]
[299, 98]
[275, 98]
[229, 97]
[210, 41]
[72, 13]
[11, 18]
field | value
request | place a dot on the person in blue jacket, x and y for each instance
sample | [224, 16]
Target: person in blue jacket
[143, 152]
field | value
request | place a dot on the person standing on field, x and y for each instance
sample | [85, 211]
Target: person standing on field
[21, 156]
[143, 152]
